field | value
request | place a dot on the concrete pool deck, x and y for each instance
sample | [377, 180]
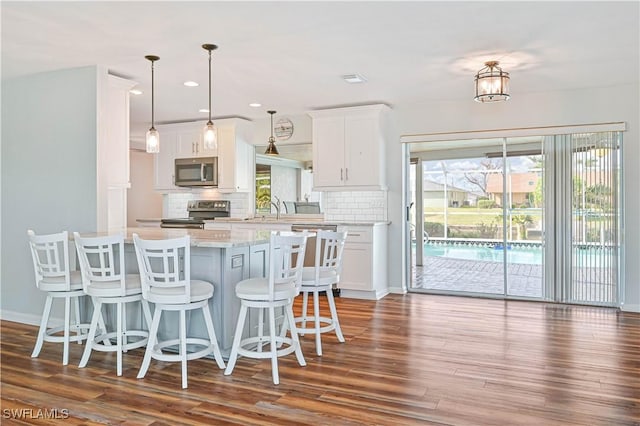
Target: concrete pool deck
[525, 280]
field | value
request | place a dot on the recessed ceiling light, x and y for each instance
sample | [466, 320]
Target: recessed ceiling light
[255, 105]
[191, 84]
[354, 78]
[135, 92]
[203, 110]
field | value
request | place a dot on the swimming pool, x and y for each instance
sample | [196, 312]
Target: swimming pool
[528, 255]
[525, 255]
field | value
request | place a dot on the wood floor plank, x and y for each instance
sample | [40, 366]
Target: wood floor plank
[407, 359]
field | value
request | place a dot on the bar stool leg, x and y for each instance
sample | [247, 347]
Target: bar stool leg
[97, 316]
[233, 357]
[43, 327]
[274, 345]
[153, 331]
[334, 315]
[212, 335]
[183, 347]
[77, 317]
[119, 337]
[316, 317]
[67, 320]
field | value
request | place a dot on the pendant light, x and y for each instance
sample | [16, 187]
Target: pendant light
[492, 84]
[210, 133]
[271, 148]
[153, 137]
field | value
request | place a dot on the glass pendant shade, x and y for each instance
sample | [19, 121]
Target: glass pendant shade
[210, 136]
[153, 141]
[492, 84]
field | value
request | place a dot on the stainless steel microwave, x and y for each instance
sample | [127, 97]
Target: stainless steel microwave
[197, 171]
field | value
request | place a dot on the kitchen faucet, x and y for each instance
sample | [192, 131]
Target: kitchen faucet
[277, 206]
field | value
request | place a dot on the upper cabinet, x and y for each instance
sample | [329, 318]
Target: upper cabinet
[190, 143]
[185, 140]
[349, 148]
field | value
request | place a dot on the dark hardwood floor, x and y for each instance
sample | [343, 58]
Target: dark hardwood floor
[414, 359]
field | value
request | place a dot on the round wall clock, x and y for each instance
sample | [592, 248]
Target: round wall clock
[283, 129]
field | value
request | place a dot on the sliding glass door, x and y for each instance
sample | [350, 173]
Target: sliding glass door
[528, 217]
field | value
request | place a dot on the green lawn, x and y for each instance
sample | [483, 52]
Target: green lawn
[474, 216]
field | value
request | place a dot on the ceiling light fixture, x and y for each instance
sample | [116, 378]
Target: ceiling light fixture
[255, 105]
[210, 136]
[153, 137]
[492, 84]
[135, 92]
[191, 84]
[271, 148]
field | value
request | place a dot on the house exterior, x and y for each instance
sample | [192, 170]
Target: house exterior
[519, 186]
[434, 195]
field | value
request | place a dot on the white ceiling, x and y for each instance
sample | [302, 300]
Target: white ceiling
[289, 56]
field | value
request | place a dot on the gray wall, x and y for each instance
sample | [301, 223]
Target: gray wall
[48, 173]
[602, 105]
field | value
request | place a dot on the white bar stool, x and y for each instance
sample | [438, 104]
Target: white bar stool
[104, 279]
[165, 273]
[320, 278]
[278, 290]
[50, 255]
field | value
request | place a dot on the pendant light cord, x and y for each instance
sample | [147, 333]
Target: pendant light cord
[209, 86]
[152, 101]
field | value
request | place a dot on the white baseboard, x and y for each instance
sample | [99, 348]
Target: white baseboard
[30, 319]
[630, 308]
[397, 290]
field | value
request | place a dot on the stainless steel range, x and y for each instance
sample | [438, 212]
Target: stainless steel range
[199, 211]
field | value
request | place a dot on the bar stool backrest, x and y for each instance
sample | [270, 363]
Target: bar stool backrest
[101, 260]
[286, 253]
[164, 266]
[50, 254]
[329, 250]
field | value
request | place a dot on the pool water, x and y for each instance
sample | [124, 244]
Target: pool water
[525, 255]
[516, 254]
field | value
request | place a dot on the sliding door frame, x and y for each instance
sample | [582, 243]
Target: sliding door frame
[556, 191]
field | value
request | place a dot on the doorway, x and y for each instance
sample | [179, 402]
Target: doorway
[535, 217]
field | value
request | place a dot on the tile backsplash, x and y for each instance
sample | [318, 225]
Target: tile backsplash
[355, 206]
[174, 205]
[346, 206]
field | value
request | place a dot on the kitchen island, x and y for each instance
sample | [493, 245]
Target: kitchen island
[220, 257]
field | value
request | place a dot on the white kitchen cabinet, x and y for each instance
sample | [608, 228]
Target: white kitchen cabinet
[185, 140]
[349, 148]
[364, 263]
[190, 143]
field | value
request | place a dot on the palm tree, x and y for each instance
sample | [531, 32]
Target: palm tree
[522, 220]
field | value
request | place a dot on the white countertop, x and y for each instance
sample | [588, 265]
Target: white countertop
[199, 237]
[296, 221]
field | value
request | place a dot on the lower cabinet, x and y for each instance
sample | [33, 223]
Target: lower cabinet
[364, 263]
